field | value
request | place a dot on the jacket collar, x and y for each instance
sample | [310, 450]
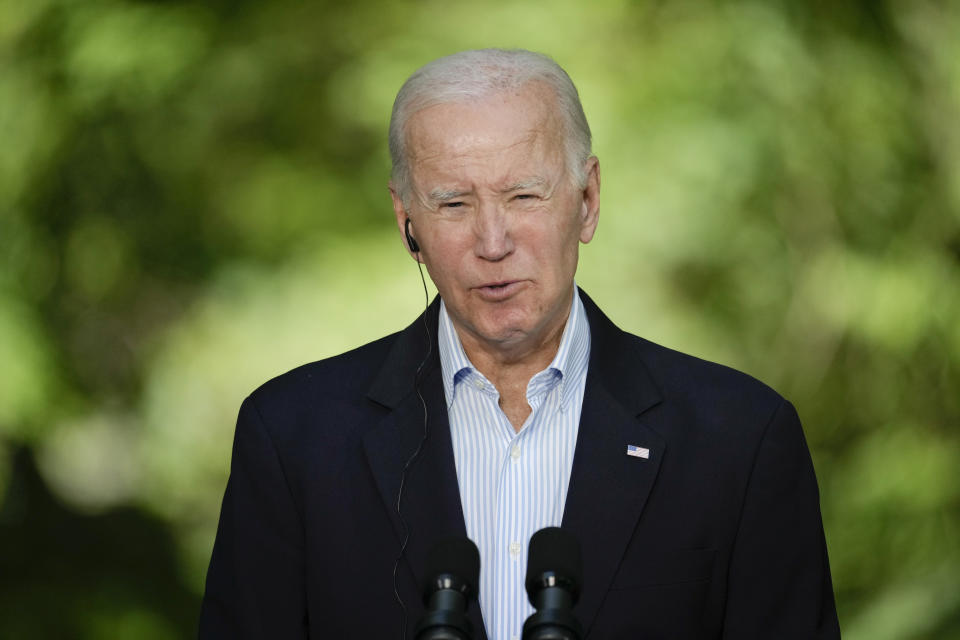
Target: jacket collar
[414, 347]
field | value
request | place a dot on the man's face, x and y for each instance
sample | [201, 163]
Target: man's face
[497, 215]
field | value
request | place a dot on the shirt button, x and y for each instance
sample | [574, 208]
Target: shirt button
[515, 550]
[515, 451]
[478, 384]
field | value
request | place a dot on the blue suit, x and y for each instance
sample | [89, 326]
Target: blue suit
[716, 535]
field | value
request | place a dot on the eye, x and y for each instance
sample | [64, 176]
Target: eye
[524, 196]
[452, 205]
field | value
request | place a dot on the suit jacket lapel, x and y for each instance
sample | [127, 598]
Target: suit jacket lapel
[608, 489]
[430, 503]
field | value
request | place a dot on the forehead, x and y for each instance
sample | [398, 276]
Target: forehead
[509, 128]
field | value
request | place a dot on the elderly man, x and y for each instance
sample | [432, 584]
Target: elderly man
[521, 406]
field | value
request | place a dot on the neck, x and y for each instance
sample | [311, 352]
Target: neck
[510, 370]
[509, 366]
[499, 361]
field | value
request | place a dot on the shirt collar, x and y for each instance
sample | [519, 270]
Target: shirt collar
[568, 365]
[454, 363]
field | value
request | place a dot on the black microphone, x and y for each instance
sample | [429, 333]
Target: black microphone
[450, 583]
[554, 573]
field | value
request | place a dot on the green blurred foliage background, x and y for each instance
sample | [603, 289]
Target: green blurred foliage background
[193, 199]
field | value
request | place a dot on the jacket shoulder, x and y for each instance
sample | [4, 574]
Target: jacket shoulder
[318, 387]
[697, 384]
[708, 386]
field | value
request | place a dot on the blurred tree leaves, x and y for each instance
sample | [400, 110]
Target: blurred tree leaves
[193, 199]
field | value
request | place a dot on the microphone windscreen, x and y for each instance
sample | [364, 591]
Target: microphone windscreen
[458, 557]
[553, 550]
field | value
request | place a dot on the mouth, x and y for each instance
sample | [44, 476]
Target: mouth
[496, 291]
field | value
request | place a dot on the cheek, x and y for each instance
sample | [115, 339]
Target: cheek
[555, 250]
[446, 261]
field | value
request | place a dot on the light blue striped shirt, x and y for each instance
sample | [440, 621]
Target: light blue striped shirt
[513, 484]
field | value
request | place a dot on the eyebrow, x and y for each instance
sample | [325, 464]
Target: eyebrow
[526, 184]
[439, 195]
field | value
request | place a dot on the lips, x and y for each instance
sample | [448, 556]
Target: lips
[498, 291]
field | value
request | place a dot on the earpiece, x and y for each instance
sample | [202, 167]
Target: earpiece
[410, 241]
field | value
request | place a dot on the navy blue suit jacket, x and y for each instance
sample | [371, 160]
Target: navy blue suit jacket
[717, 535]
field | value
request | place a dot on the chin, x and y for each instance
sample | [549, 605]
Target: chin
[504, 333]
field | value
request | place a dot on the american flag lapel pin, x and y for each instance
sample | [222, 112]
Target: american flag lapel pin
[638, 452]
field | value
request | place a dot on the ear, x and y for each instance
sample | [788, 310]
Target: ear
[401, 213]
[590, 205]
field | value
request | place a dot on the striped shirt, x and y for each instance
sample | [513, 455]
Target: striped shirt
[513, 484]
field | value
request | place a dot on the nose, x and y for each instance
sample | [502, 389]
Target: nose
[493, 240]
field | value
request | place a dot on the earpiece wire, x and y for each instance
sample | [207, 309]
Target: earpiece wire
[413, 457]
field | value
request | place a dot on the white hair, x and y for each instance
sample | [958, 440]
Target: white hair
[473, 75]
